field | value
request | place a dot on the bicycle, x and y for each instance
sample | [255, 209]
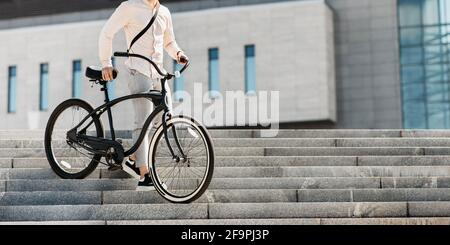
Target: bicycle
[181, 152]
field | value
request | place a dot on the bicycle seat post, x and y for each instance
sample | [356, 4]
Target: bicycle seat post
[110, 119]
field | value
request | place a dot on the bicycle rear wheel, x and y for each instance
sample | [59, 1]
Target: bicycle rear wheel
[186, 178]
[71, 161]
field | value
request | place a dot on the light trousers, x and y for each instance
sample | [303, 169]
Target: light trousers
[140, 83]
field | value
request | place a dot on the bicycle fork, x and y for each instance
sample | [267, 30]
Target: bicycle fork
[166, 116]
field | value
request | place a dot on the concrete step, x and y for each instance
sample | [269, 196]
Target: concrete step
[217, 183]
[306, 210]
[354, 133]
[277, 142]
[226, 196]
[225, 161]
[394, 142]
[429, 209]
[211, 211]
[235, 183]
[261, 172]
[274, 142]
[51, 223]
[218, 142]
[347, 151]
[261, 151]
[40, 152]
[283, 133]
[124, 134]
[134, 197]
[374, 195]
[275, 161]
[103, 212]
[311, 221]
[403, 161]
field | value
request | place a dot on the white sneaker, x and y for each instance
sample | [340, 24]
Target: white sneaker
[130, 168]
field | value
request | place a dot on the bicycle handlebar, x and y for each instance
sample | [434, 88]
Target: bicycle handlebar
[121, 54]
[167, 75]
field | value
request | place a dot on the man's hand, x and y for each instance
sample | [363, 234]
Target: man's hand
[107, 73]
[182, 58]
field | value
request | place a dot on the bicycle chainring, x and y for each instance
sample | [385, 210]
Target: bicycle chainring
[111, 158]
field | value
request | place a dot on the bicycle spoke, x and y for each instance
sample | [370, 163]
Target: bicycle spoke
[66, 120]
[199, 174]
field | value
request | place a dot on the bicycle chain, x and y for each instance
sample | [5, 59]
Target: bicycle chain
[86, 155]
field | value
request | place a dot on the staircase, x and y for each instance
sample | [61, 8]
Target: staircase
[300, 177]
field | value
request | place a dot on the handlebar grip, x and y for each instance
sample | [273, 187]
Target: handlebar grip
[121, 54]
[185, 67]
[115, 73]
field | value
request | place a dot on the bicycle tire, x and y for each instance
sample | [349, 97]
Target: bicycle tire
[159, 135]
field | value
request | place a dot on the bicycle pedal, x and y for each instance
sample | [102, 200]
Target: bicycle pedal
[114, 168]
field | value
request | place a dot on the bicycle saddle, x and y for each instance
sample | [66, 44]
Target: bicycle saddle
[95, 73]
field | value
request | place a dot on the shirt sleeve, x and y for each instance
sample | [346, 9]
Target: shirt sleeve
[117, 21]
[170, 44]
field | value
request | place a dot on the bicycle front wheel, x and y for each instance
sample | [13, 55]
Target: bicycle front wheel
[185, 178]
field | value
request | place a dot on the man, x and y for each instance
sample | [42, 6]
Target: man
[133, 16]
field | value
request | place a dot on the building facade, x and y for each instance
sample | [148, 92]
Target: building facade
[335, 63]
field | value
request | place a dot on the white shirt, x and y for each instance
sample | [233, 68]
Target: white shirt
[133, 16]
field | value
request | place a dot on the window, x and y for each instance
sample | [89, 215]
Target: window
[112, 84]
[425, 62]
[178, 83]
[12, 87]
[43, 95]
[76, 79]
[250, 83]
[214, 84]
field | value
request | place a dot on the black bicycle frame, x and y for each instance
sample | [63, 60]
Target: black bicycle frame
[156, 97]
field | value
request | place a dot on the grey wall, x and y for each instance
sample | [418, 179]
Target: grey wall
[367, 63]
[294, 55]
[21, 13]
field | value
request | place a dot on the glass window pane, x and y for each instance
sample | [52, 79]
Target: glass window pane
[112, 84]
[12, 87]
[437, 92]
[250, 73]
[412, 55]
[43, 100]
[411, 36]
[435, 73]
[413, 91]
[445, 11]
[178, 83]
[432, 35]
[415, 115]
[410, 12]
[430, 12]
[433, 54]
[424, 56]
[412, 74]
[214, 84]
[76, 79]
[438, 115]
